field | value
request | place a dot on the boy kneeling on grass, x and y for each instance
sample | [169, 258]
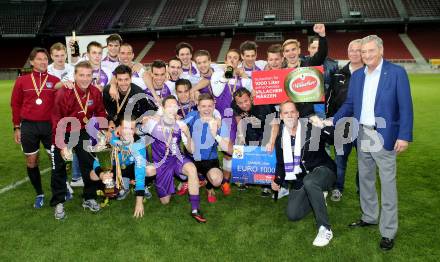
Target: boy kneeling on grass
[166, 133]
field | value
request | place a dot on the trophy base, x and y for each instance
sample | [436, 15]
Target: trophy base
[110, 192]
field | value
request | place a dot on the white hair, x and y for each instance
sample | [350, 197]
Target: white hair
[356, 41]
[372, 38]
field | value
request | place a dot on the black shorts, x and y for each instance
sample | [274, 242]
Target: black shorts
[32, 133]
[204, 166]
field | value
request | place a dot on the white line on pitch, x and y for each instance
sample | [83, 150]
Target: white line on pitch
[24, 180]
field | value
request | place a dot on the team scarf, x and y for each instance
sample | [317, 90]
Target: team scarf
[291, 161]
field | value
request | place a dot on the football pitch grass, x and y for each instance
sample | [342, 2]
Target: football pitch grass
[240, 227]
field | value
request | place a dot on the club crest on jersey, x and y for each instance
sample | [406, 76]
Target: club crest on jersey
[90, 102]
[49, 84]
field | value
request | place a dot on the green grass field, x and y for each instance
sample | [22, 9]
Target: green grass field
[241, 227]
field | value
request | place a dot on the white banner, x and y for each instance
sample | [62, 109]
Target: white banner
[84, 40]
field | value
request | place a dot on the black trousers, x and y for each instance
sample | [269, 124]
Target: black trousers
[59, 175]
[310, 197]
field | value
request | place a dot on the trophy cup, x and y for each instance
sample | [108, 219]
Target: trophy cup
[103, 153]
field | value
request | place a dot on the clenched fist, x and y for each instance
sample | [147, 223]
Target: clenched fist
[319, 29]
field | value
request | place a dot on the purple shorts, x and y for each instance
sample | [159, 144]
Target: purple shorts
[165, 175]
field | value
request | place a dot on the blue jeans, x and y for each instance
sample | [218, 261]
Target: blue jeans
[76, 172]
[341, 165]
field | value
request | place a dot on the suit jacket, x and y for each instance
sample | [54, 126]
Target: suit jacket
[311, 157]
[393, 103]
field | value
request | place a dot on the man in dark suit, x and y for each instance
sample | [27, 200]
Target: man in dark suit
[302, 159]
[379, 98]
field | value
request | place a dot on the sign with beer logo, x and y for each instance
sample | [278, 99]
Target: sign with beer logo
[253, 165]
[304, 84]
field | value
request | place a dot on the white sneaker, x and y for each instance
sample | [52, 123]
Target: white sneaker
[91, 204]
[122, 194]
[147, 193]
[323, 238]
[59, 211]
[69, 188]
[77, 183]
[336, 195]
[282, 193]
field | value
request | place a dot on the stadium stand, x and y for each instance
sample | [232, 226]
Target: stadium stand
[137, 42]
[215, 7]
[19, 19]
[263, 45]
[257, 9]
[102, 17]
[426, 41]
[175, 13]
[138, 13]
[324, 11]
[374, 8]
[17, 54]
[164, 48]
[394, 48]
[422, 7]
[63, 20]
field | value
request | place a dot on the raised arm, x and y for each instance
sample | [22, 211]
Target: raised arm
[321, 54]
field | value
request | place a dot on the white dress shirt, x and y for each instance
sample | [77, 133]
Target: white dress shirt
[369, 96]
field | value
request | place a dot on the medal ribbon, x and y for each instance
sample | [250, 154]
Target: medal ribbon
[119, 107]
[40, 89]
[83, 107]
[235, 86]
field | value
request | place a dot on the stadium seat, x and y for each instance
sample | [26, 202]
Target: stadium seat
[264, 45]
[164, 48]
[323, 11]
[16, 18]
[374, 8]
[63, 20]
[174, 13]
[394, 48]
[138, 13]
[257, 9]
[101, 17]
[426, 40]
[422, 7]
[230, 10]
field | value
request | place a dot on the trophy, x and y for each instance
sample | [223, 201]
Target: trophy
[103, 153]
